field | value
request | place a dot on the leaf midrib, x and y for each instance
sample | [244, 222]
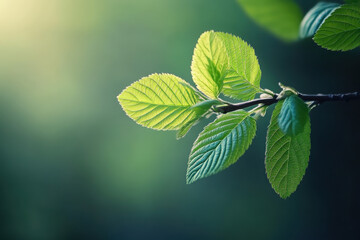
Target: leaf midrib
[155, 104]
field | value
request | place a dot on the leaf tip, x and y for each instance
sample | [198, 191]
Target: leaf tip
[119, 98]
[284, 196]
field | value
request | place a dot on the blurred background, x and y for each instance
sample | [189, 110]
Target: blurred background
[74, 166]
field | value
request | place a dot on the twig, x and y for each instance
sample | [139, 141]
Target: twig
[319, 98]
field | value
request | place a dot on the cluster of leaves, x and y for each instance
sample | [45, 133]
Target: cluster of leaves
[225, 64]
[333, 26]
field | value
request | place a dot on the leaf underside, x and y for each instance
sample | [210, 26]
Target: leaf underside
[280, 17]
[315, 17]
[341, 30]
[243, 77]
[287, 157]
[220, 144]
[160, 101]
[293, 115]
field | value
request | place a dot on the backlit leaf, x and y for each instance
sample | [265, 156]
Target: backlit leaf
[160, 101]
[209, 64]
[293, 115]
[243, 78]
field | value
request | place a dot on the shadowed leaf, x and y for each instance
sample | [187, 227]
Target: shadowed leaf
[160, 102]
[287, 157]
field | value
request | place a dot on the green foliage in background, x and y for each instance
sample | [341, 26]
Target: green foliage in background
[280, 17]
[225, 64]
[242, 81]
[161, 101]
[333, 26]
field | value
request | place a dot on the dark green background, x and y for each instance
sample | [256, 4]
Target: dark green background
[74, 166]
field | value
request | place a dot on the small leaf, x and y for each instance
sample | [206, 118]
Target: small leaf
[315, 17]
[201, 109]
[243, 78]
[293, 115]
[159, 101]
[186, 127]
[287, 157]
[220, 144]
[280, 17]
[340, 31]
[207, 104]
[209, 64]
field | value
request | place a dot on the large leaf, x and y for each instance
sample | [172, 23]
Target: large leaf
[243, 78]
[209, 64]
[280, 17]
[287, 157]
[315, 17]
[293, 115]
[160, 101]
[220, 144]
[340, 31]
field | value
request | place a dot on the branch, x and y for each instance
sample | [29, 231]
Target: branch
[318, 98]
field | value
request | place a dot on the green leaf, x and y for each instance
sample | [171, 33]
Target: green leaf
[280, 17]
[243, 78]
[209, 64]
[186, 127]
[315, 17]
[340, 31]
[160, 101]
[207, 104]
[201, 109]
[287, 157]
[293, 115]
[220, 144]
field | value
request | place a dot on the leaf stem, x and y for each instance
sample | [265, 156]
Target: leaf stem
[319, 98]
